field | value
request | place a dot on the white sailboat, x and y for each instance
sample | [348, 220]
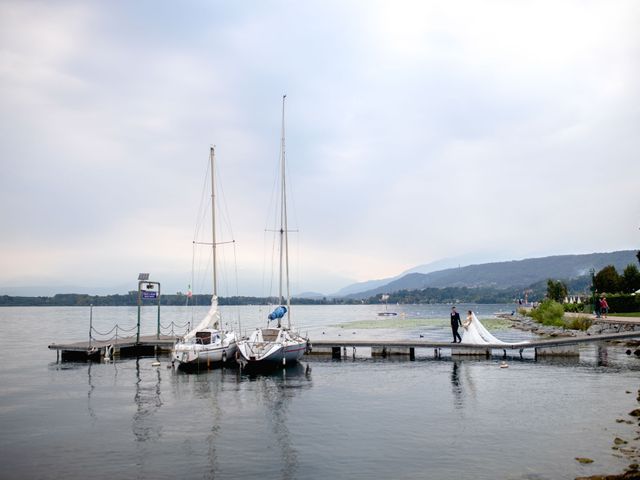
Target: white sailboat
[386, 312]
[277, 345]
[208, 343]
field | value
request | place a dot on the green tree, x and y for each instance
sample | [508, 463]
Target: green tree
[630, 280]
[556, 291]
[608, 280]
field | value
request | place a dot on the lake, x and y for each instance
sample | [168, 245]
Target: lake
[350, 418]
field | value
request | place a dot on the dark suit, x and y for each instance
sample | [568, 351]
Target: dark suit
[455, 323]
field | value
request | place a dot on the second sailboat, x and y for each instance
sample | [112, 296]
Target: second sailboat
[277, 345]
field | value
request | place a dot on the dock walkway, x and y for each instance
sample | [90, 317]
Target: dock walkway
[121, 345]
[556, 346]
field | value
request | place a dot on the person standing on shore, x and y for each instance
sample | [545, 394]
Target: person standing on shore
[604, 307]
[455, 323]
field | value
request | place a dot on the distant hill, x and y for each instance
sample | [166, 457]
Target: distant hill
[513, 274]
[426, 268]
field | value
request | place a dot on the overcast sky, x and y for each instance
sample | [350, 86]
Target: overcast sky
[416, 131]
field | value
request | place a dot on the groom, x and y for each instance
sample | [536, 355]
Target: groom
[455, 323]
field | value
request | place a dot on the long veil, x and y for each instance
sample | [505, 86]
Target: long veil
[477, 334]
[484, 333]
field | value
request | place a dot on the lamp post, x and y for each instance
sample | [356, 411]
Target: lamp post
[147, 292]
[593, 288]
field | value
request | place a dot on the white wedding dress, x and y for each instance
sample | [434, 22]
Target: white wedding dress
[476, 334]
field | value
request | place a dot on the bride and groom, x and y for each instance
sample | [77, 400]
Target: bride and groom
[474, 332]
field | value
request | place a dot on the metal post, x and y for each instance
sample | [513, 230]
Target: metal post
[158, 334]
[90, 323]
[593, 288]
[139, 303]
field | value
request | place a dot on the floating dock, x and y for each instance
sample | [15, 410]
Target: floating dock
[151, 344]
[556, 346]
[123, 346]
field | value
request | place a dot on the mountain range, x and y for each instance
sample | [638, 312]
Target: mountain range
[511, 274]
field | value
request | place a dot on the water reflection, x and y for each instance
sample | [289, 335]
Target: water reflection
[148, 400]
[462, 384]
[92, 413]
[275, 390]
[455, 384]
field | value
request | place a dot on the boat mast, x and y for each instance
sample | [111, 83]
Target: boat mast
[212, 157]
[214, 298]
[284, 238]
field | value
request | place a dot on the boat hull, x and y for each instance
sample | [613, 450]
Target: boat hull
[205, 355]
[271, 355]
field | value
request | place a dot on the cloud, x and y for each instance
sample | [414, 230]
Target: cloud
[415, 131]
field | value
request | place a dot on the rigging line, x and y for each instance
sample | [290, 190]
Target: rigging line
[193, 257]
[225, 217]
[235, 262]
[203, 205]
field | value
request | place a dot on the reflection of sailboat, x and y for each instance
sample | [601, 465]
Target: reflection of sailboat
[275, 391]
[208, 342]
[277, 345]
[386, 312]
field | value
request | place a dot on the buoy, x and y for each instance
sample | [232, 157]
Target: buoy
[155, 364]
[504, 365]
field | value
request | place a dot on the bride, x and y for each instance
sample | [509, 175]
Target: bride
[475, 333]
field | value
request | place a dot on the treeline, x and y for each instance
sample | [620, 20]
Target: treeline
[452, 295]
[427, 295]
[131, 299]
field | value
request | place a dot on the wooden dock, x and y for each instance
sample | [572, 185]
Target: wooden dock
[556, 346]
[150, 344]
[122, 346]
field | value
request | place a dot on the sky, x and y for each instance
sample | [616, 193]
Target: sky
[416, 131]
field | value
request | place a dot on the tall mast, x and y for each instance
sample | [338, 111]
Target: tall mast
[284, 238]
[212, 157]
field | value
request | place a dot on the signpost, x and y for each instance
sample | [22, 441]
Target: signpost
[147, 290]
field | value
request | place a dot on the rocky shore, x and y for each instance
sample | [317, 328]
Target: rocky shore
[526, 323]
[624, 448]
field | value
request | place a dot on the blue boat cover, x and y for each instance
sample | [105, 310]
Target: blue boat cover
[278, 312]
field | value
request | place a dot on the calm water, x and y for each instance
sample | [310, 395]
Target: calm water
[356, 418]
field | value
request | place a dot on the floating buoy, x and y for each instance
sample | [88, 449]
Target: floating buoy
[155, 364]
[504, 365]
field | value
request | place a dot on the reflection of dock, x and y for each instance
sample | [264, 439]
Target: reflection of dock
[557, 346]
[118, 346]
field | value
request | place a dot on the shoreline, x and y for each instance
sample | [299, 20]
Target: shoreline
[630, 449]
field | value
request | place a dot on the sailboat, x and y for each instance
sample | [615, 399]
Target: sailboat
[277, 345]
[386, 312]
[208, 343]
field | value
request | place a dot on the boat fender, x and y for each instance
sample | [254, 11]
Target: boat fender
[224, 357]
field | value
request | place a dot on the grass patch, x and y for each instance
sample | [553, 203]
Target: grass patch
[626, 314]
[407, 323]
[579, 323]
[551, 313]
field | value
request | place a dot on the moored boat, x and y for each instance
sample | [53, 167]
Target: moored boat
[208, 343]
[277, 345]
